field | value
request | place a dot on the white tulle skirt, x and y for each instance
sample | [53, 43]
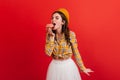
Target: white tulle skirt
[63, 70]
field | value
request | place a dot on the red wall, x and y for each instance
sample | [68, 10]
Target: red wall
[22, 37]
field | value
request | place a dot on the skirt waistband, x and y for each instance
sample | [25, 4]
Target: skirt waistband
[62, 61]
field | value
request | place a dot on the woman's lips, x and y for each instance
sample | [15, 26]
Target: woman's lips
[53, 25]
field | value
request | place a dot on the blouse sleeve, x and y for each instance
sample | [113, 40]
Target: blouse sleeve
[49, 45]
[76, 53]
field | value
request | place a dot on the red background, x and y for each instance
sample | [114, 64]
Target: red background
[22, 37]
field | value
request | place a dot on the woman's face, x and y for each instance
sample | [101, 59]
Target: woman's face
[57, 20]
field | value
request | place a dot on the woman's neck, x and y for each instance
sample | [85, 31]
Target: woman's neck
[59, 31]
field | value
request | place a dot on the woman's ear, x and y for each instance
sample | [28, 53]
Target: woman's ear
[63, 22]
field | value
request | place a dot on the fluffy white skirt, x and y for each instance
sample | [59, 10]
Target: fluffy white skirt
[63, 70]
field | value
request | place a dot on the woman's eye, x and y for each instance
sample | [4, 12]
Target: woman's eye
[57, 18]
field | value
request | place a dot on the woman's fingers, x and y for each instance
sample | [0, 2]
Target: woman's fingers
[49, 29]
[49, 25]
[87, 71]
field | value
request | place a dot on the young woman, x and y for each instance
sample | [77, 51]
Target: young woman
[61, 44]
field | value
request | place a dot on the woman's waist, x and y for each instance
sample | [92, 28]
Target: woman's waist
[61, 56]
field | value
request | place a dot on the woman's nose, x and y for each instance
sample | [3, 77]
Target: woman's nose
[53, 21]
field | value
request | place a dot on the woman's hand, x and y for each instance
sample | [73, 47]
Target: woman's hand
[87, 71]
[49, 29]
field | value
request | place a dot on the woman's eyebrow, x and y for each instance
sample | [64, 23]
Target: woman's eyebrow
[56, 16]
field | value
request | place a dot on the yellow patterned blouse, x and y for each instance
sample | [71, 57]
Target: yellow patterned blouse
[62, 49]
